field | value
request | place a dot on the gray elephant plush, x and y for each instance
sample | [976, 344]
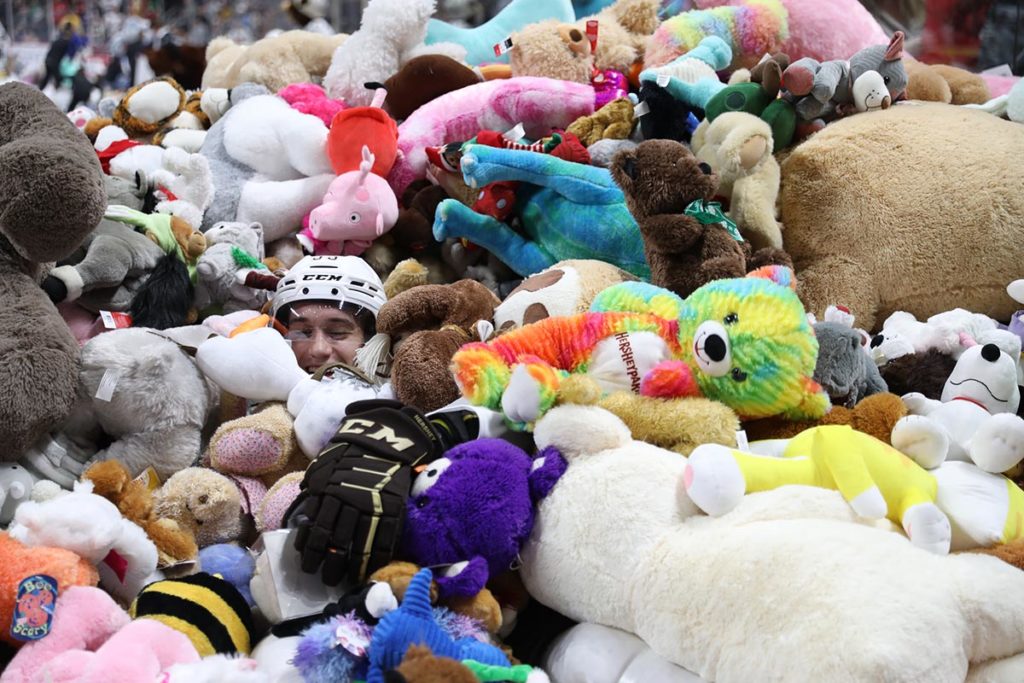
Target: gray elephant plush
[51, 197]
[873, 78]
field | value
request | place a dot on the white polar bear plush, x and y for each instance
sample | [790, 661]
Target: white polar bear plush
[976, 419]
[903, 334]
[790, 585]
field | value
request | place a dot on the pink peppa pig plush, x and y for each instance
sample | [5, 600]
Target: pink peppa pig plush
[358, 208]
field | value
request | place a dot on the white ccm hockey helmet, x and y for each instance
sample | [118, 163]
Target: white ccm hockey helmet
[341, 279]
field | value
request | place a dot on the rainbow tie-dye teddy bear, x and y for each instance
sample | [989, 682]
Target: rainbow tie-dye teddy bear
[745, 342]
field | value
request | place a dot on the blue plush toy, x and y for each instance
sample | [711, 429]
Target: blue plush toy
[567, 210]
[413, 624]
[692, 78]
[231, 563]
[517, 15]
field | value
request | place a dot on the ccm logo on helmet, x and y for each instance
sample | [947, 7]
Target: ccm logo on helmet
[322, 277]
[383, 433]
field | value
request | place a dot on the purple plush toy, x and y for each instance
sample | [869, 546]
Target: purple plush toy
[474, 509]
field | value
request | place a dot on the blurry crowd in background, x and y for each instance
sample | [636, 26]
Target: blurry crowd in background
[78, 50]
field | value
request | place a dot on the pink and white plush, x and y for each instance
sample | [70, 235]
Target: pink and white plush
[92, 640]
[358, 208]
[822, 30]
[540, 104]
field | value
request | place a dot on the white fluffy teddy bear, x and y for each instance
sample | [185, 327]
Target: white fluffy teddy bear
[91, 526]
[390, 34]
[903, 334]
[976, 419]
[746, 596]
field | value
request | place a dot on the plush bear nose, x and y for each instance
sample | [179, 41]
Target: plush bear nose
[990, 352]
[705, 169]
[575, 36]
[715, 347]
[877, 340]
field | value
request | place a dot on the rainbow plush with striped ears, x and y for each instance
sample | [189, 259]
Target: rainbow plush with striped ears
[752, 29]
[745, 342]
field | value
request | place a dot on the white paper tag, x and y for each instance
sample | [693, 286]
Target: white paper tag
[484, 329]
[515, 134]
[741, 441]
[1001, 70]
[664, 80]
[105, 391]
[108, 320]
[641, 109]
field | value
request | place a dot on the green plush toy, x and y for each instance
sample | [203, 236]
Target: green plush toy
[760, 98]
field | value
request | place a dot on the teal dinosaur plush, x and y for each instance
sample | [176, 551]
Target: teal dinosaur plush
[692, 78]
[515, 16]
[567, 210]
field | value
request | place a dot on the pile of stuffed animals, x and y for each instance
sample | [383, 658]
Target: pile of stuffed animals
[732, 290]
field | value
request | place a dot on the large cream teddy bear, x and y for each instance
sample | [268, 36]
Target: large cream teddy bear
[788, 586]
[274, 62]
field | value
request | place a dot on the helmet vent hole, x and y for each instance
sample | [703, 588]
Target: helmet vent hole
[305, 290]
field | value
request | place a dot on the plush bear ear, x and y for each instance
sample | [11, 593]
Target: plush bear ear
[780, 275]
[548, 468]
[623, 168]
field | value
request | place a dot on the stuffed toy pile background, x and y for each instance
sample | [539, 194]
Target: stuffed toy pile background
[639, 345]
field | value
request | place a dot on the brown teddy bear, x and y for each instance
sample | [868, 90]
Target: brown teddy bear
[613, 121]
[421, 666]
[51, 196]
[686, 242]
[875, 415]
[439, 319]
[134, 499]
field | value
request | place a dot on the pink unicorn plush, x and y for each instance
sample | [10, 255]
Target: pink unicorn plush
[358, 208]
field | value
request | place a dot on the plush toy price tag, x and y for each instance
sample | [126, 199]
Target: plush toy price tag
[105, 391]
[592, 27]
[664, 80]
[741, 441]
[641, 109]
[113, 320]
[503, 47]
[354, 642]
[34, 604]
[149, 478]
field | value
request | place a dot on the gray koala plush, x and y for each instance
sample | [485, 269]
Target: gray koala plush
[829, 89]
[230, 275]
[844, 369]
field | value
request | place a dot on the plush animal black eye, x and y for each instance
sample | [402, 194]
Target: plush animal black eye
[421, 502]
[886, 80]
[738, 375]
[731, 319]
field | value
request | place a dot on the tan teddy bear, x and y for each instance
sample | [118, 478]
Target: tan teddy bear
[290, 57]
[738, 147]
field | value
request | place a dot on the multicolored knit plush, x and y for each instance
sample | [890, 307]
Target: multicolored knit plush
[745, 342]
[751, 28]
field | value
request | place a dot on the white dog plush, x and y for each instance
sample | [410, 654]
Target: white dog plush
[976, 420]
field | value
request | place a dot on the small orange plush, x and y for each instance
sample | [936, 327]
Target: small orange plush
[135, 501]
[19, 562]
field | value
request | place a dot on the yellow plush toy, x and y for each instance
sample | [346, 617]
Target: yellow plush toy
[875, 479]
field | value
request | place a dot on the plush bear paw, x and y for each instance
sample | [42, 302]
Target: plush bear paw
[521, 401]
[998, 445]
[713, 479]
[928, 528]
[922, 440]
[870, 504]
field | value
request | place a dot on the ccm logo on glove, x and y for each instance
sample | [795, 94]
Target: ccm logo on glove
[383, 433]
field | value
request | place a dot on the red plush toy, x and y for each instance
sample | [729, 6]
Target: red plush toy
[371, 126]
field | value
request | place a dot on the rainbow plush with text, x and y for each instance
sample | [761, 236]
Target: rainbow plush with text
[745, 342]
[752, 29]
